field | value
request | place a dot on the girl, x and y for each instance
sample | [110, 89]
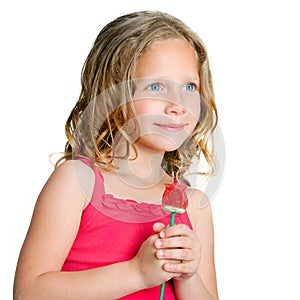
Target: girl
[98, 231]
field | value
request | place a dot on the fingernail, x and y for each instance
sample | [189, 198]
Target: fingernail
[158, 243]
[162, 234]
[160, 253]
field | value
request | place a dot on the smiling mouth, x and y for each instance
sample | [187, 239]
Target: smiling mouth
[171, 127]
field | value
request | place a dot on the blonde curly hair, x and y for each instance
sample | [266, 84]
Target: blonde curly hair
[96, 120]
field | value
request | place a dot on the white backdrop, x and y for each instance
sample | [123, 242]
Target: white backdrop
[254, 53]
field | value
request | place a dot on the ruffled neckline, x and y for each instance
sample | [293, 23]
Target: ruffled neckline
[126, 210]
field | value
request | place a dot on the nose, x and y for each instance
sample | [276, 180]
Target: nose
[174, 108]
[175, 104]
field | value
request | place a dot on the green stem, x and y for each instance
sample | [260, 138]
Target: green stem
[172, 222]
[162, 288]
[162, 291]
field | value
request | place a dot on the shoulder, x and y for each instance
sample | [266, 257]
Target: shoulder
[56, 219]
[63, 197]
[74, 166]
[73, 179]
[199, 210]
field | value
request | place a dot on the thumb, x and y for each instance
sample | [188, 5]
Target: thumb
[157, 227]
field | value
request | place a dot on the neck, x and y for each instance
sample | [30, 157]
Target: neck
[142, 170]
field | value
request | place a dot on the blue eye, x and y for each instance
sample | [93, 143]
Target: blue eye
[154, 87]
[190, 87]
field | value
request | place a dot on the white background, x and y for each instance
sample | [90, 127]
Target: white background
[254, 53]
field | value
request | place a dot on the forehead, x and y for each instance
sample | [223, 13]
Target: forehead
[174, 59]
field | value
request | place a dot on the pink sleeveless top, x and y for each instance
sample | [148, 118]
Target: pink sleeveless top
[112, 230]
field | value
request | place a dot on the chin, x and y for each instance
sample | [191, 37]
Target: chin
[160, 144]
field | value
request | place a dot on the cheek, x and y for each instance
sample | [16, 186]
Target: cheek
[143, 107]
[193, 110]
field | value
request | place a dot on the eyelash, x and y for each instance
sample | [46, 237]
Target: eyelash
[150, 87]
[191, 84]
[160, 86]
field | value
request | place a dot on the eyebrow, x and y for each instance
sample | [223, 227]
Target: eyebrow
[193, 78]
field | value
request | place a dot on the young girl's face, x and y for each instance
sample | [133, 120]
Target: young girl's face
[167, 99]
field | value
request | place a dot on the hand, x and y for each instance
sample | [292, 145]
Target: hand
[149, 265]
[180, 246]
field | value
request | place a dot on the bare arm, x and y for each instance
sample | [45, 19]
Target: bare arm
[53, 228]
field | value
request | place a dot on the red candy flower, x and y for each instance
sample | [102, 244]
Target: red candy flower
[174, 198]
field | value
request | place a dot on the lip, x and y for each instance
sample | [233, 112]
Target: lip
[171, 127]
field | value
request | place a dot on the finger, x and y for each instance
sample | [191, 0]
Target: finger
[176, 230]
[181, 268]
[176, 242]
[170, 275]
[157, 227]
[178, 254]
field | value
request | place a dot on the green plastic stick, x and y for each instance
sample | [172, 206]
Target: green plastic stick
[162, 288]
